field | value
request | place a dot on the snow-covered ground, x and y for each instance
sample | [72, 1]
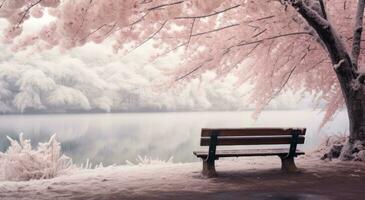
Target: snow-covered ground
[44, 173]
[256, 178]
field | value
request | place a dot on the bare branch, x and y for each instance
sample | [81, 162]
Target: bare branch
[215, 30]
[273, 37]
[26, 11]
[357, 32]
[169, 51]
[315, 65]
[285, 81]
[209, 15]
[261, 32]
[194, 70]
[289, 74]
[110, 30]
[140, 19]
[100, 27]
[191, 33]
[164, 5]
[260, 19]
[150, 37]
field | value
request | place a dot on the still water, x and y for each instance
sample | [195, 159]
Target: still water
[115, 138]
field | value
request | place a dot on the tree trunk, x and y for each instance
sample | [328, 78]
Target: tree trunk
[353, 91]
[351, 81]
[355, 104]
[343, 66]
[354, 95]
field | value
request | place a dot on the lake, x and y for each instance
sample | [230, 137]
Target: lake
[115, 137]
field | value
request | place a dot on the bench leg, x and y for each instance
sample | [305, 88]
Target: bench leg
[209, 169]
[288, 164]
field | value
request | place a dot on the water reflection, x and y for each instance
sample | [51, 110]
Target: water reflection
[114, 138]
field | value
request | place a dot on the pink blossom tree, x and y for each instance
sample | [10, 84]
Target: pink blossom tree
[309, 46]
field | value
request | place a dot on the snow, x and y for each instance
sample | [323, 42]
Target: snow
[131, 182]
[336, 66]
[153, 179]
[150, 161]
[21, 163]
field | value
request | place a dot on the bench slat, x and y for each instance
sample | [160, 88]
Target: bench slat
[247, 152]
[252, 140]
[206, 132]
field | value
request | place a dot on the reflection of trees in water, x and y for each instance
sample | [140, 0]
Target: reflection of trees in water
[129, 140]
[114, 138]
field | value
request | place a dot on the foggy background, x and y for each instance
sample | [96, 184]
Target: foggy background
[94, 79]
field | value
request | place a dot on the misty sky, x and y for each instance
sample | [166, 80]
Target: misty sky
[93, 78]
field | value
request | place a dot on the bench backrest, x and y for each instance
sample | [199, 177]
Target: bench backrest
[252, 136]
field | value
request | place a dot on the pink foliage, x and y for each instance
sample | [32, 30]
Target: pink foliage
[264, 43]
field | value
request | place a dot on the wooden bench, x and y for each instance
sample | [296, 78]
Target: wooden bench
[250, 136]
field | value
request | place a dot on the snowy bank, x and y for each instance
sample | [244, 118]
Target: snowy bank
[236, 177]
[251, 178]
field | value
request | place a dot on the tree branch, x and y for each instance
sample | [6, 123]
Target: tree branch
[324, 30]
[243, 58]
[323, 9]
[140, 19]
[315, 65]
[260, 19]
[214, 30]
[150, 37]
[209, 15]
[333, 43]
[357, 32]
[273, 37]
[169, 51]
[232, 25]
[27, 10]
[100, 27]
[83, 17]
[164, 5]
[261, 32]
[191, 33]
[192, 71]
[94, 31]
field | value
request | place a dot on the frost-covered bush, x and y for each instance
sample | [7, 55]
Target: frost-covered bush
[332, 146]
[20, 162]
[150, 161]
[338, 146]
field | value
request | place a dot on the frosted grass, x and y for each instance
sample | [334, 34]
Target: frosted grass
[20, 162]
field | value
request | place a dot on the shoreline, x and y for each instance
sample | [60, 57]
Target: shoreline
[253, 178]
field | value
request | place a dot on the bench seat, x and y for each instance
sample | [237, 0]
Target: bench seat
[247, 152]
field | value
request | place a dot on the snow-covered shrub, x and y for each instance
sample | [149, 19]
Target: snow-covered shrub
[150, 161]
[20, 162]
[338, 146]
[360, 156]
[332, 146]
[353, 151]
